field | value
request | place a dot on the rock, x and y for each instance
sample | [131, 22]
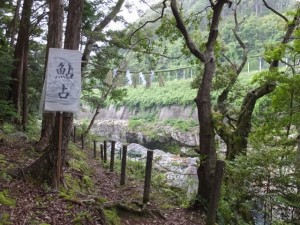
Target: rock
[181, 172]
[162, 138]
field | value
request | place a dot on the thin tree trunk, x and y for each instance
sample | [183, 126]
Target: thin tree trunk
[20, 51]
[13, 25]
[297, 173]
[25, 88]
[54, 40]
[207, 135]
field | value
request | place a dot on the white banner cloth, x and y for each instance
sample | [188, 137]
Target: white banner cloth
[62, 87]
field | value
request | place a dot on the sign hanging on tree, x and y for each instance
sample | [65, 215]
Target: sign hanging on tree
[62, 86]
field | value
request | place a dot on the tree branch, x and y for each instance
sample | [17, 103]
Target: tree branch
[150, 21]
[180, 25]
[213, 33]
[241, 43]
[92, 39]
[287, 37]
[274, 11]
[130, 47]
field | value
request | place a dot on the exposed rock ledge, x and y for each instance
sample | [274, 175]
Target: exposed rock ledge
[163, 136]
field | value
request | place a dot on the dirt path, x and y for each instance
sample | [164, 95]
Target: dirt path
[36, 204]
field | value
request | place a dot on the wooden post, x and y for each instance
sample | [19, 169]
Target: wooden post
[123, 165]
[82, 141]
[101, 151]
[147, 183]
[112, 156]
[215, 193]
[95, 145]
[74, 134]
[58, 162]
[105, 151]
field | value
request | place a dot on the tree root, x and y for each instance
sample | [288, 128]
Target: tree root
[134, 208]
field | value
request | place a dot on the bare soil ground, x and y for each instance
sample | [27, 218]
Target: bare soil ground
[35, 204]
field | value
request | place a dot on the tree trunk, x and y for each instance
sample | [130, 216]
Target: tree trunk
[22, 42]
[25, 88]
[203, 101]
[48, 161]
[207, 134]
[12, 30]
[297, 173]
[54, 40]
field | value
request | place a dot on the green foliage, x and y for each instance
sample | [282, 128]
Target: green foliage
[6, 61]
[133, 124]
[144, 117]
[95, 88]
[263, 177]
[266, 76]
[274, 52]
[112, 217]
[174, 93]
[8, 128]
[82, 218]
[181, 125]
[5, 219]
[33, 128]
[6, 200]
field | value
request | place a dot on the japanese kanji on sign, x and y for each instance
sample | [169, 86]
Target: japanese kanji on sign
[62, 87]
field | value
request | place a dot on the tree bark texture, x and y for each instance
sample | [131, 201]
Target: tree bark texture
[54, 40]
[20, 51]
[25, 87]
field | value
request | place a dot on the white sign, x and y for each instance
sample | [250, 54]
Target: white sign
[62, 87]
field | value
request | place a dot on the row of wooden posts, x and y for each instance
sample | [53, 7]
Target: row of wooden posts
[123, 156]
[215, 193]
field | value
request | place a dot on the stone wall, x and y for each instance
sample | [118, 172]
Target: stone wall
[124, 113]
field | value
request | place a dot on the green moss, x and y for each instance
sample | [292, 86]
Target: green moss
[4, 219]
[112, 217]
[6, 200]
[76, 153]
[82, 218]
[101, 200]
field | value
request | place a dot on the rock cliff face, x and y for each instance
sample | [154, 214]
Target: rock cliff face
[112, 124]
[164, 137]
[124, 113]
